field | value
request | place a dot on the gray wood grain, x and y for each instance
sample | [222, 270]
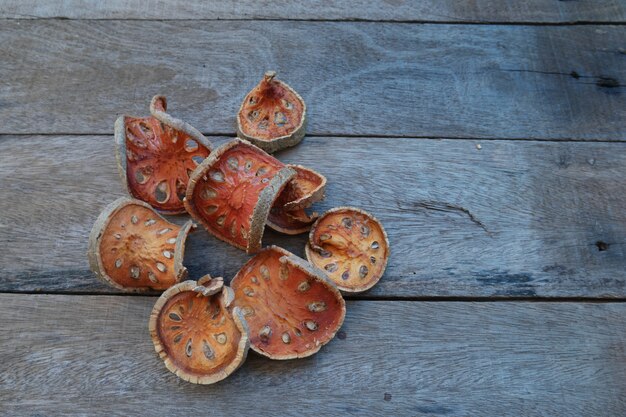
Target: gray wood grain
[357, 78]
[512, 219]
[425, 10]
[92, 355]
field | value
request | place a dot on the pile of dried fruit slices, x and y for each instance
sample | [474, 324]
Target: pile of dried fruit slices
[280, 305]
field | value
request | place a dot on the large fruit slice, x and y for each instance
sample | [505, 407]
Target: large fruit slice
[132, 248]
[157, 154]
[351, 246]
[272, 116]
[291, 307]
[196, 334]
[288, 215]
[232, 191]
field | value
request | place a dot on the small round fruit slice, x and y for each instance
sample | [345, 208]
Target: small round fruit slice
[291, 308]
[232, 191]
[156, 155]
[132, 248]
[196, 334]
[272, 116]
[351, 246]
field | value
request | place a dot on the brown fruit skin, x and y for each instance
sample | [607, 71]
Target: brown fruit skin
[309, 248]
[93, 251]
[158, 106]
[264, 203]
[281, 142]
[226, 298]
[314, 274]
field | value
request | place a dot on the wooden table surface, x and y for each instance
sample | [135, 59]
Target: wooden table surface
[489, 137]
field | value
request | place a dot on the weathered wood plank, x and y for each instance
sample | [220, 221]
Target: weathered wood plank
[401, 11]
[357, 78]
[515, 218]
[90, 355]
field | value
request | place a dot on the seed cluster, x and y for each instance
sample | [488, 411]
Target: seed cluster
[279, 304]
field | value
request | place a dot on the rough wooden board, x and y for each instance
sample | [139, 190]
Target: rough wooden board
[357, 78]
[92, 355]
[515, 218]
[401, 11]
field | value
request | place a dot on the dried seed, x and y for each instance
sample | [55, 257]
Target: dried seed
[297, 332]
[265, 180]
[265, 333]
[280, 119]
[191, 145]
[254, 280]
[365, 231]
[263, 125]
[372, 260]
[175, 327]
[286, 338]
[217, 176]
[248, 166]
[164, 231]
[207, 350]
[174, 317]
[233, 163]
[331, 267]
[140, 177]
[178, 337]
[161, 192]
[345, 275]
[347, 222]
[152, 277]
[324, 253]
[375, 245]
[208, 193]
[247, 311]
[261, 171]
[220, 220]
[167, 254]
[363, 270]
[117, 236]
[171, 240]
[134, 219]
[304, 286]
[325, 236]
[248, 291]
[221, 338]
[210, 209]
[265, 272]
[317, 306]
[311, 325]
[283, 273]
[134, 272]
[188, 351]
[118, 262]
[161, 267]
[149, 222]
[288, 105]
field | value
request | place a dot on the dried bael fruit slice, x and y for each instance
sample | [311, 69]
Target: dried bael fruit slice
[290, 222]
[232, 191]
[272, 116]
[351, 246]
[292, 309]
[196, 334]
[132, 248]
[156, 155]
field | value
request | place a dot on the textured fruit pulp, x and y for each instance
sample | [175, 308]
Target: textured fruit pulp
[271, 110]
[279, 295]
[159, 161]
[199, 336]
[137, 248]
[226, 195]
[354, 250]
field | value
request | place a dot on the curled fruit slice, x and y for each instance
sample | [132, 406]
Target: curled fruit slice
[232, 191]
[132, 248]
[156, 155]
[351, 246]
[195, 333]
[290, 222]
[291, 307]
[272, 116]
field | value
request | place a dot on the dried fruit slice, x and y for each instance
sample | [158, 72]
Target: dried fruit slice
[232, 191]
[351, 246]
[132, 248]
[196, 334]
[272, 116]
[292, 309]
[290, 222]
[156, 155]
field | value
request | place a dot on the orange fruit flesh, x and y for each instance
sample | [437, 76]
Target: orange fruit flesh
[288, 312]
[159, 161]
[352, 248]
[198, 335]
[270, 110]
[226, 196]
[137, 248]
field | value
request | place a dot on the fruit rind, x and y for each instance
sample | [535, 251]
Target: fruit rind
[281, 142]
[158, 105]
[262, 208]
[240, 323]
[310, 246]
[95, 236]
[315, 274]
